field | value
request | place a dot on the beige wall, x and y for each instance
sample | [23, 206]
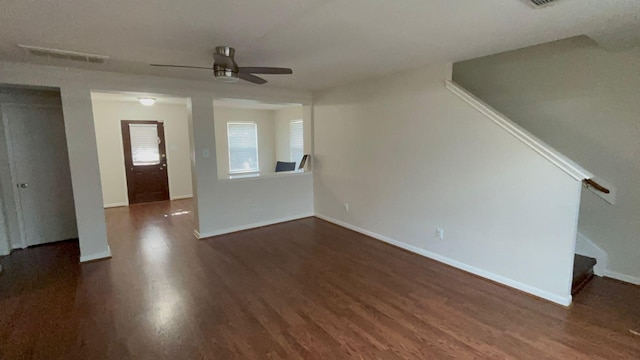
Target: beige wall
[266, 136]
[585, 102]
[217, 207]
[409, 156]
[107, 117]
[283, 118]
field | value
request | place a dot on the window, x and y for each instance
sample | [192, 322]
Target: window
[144, 144]
[296, 141]
[243, 147]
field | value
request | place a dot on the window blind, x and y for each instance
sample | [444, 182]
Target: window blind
[144, 144]
[243, 147]
[296, 141]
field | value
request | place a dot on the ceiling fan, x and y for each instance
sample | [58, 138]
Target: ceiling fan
[225, 68]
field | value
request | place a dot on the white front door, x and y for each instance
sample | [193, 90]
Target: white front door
[40, 169]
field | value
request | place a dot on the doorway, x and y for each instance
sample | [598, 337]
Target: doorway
[36, 177]
[145, 159]
[144, 149]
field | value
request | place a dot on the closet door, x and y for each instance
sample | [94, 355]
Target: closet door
[40, 168]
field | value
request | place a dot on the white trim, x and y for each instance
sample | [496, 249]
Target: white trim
[98, 256]
[258, 176]
[13, 174]
[537, 145]
[180, 197]
[564, 301]
[199, 235]
[125, 183]
[17, 247]
[120, 204]
[622, 277]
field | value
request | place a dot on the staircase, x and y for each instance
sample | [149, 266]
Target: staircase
[582, 272]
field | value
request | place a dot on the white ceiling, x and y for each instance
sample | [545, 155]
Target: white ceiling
[326, 42]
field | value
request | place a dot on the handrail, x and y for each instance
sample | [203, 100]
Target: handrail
[565, 164]
[595, 185]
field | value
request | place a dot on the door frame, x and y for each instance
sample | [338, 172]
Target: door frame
[18, 228]
[126, 152]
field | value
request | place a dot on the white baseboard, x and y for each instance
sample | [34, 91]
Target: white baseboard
[17, 247]
[622, 277]
[180, 197]
[199, 235]
[562, 300]
[120, 204]
[98, 256]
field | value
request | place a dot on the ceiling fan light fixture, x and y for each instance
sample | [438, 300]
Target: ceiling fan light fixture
[147, 101]
[227, 79]
[225, 75]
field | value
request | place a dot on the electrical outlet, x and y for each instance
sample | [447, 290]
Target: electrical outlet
[440, 233]
[346, 206]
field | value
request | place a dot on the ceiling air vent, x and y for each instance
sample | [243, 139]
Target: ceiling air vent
[64, 54]
[540, 3]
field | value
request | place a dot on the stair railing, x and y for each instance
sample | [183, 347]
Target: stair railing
[595, 185]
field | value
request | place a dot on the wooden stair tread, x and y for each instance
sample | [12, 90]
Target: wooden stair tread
[582, 272]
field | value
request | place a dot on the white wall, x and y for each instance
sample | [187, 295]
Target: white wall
[212, 197]
[264, 120]
[409, 156]
[584, 101]
[107, 117]
[231, 205]
[283, 118]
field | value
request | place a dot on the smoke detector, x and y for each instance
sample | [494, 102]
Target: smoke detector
[540, 3]
[63, 54]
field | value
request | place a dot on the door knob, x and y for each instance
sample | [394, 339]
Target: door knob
[23, 186]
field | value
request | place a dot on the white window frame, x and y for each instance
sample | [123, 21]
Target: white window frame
[255, 125]
[297, 161]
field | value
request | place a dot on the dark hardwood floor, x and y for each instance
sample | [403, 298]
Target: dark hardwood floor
[305, 289]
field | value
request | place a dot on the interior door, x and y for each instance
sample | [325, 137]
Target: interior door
[40, 169]
[145, 161]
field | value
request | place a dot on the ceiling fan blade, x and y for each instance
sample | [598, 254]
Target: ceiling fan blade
[251, 78]
[224, 60]
[181, 66]
[264, 70]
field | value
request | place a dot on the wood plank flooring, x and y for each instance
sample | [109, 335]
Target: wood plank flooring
[306, 289]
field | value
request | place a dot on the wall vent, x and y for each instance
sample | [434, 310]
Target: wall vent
[540, 3]
[64, 54]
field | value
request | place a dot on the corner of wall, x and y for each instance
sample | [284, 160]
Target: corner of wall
[586, 247]
[96, 256]
[561, 300]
